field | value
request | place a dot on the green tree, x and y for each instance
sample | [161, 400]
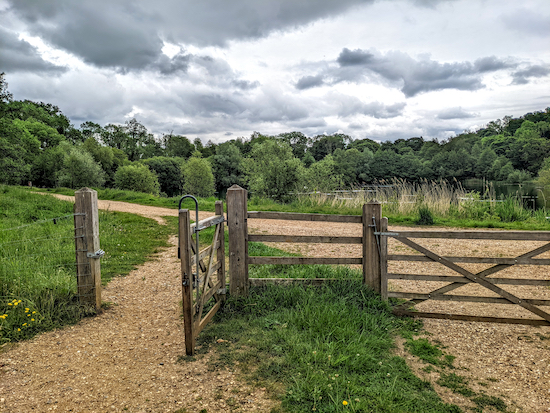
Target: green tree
[198, 177]
[137, 177]
[324, 145]
[227, 166]
[19, 149]
[273, 171]
[176, 145]
[80, 170]
[46, 166]
[109, 158]
[169, 173]
[298, 142]
[322, 176]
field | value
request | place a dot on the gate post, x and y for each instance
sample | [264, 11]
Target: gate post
[238, 240]
[187, 279]
[220, 253]
[372, 213]
[88, 269]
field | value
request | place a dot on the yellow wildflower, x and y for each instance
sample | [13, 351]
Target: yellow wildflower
[24, 324]
[345, 403]
[32, 319]
[18, 329]
[10, 303]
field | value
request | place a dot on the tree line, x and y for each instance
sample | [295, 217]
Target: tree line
[39, 144]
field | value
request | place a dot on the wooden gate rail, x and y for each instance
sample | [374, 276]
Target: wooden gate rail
[201, 280]
[468, 277]
[237, 222]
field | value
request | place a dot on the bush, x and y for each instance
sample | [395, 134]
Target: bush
[79, 170]
[198, 177]
[137, 177]
[425, 216]
[169, 174]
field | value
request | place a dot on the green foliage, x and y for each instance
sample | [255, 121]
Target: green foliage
[198, 177]
[137, 177]
[80, 170]
[169, 173]
[322, 176]
[425, 216]
[18, 148]
[178, 146]
[273, 171]
[227, 166]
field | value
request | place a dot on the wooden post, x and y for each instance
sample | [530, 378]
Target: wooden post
[88, 269]
[220, 253]
[371, 256]
[186, 279]
[238, 240]
[384, 259]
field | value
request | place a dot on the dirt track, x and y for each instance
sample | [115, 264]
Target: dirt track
[127, 357]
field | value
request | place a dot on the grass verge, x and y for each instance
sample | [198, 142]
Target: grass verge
[38, 276]
[325, 349]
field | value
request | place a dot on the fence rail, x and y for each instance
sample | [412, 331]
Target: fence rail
[375, 258]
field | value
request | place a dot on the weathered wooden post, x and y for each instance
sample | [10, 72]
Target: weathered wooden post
[187, 279]
[220, 253]
[384, 259]
[238, 240]
[372, 213]
[88, 269]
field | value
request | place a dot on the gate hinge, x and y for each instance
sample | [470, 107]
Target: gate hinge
[222, 291]
[97, 254]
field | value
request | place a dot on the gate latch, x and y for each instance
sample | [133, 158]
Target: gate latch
[97, 254]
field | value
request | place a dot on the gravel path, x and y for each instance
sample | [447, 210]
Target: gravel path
[127, 358]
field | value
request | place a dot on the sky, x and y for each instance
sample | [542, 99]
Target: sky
[219, 70]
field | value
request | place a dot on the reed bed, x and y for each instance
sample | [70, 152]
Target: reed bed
[443, 199]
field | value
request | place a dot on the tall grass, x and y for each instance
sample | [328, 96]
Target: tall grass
[37, 259]
[449, 203]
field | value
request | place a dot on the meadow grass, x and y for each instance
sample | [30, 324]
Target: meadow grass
[37, 271]
[325, 349]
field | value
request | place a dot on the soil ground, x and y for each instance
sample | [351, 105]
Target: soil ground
[129, 357]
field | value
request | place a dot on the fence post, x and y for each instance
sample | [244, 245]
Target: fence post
[384, 259]
[372, 213]
[184, 233]
[88, 269]
[220, 253]
[238, 240]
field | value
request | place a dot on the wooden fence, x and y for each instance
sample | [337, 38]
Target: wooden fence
[237, 222]
[375, 258]
[464, 277]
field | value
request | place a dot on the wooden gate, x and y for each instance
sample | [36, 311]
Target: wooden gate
[203, 279]
[466, 277]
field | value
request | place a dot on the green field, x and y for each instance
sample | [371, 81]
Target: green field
[37, 253]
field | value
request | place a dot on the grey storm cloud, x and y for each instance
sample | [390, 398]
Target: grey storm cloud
[521, 77]
[169, 66]
[413, 76]
[454, 113]
[351, 106]
[129, 34]
[308, 82]
[19, 55]
[245, 84]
